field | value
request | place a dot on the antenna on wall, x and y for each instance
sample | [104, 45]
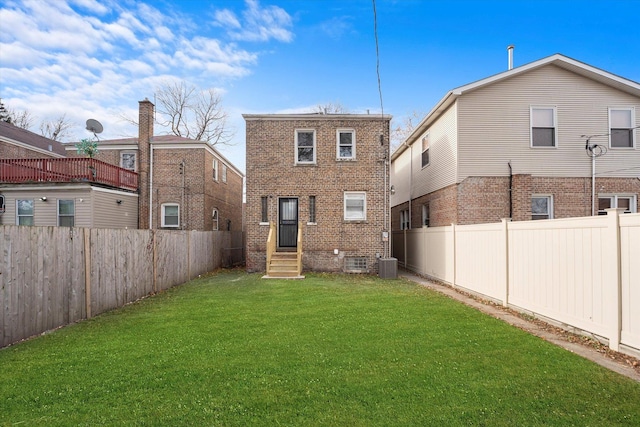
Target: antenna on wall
[95, 127]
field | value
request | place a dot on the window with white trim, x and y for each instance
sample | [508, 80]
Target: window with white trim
[355, 205]
[128, 160]
[66, 213]
[214, 218]
[541, 206]
[425, 215]
[621, 127]
[621, 201]
[224, 173]
[305, 146]
[170, 215]
[425, 149]
[24, 212]
[215, 169]
[404, 220]
[346, 141]
[543, 127]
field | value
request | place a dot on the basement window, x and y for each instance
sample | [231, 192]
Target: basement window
[355, 265]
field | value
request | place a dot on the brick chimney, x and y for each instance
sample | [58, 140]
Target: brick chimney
[145, 133]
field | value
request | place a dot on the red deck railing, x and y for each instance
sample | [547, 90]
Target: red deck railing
[76, 169]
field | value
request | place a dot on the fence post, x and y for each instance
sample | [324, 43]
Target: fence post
[87, 271]
[505, 272]
[453, 253]
[614, 288]
[154, 261]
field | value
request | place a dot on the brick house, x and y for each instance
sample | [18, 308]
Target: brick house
[40, 186]
[187, 183]
[322, 178]
[555, 138]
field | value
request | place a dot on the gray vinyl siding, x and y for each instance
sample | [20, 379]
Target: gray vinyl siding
[94, 207]
[441, 171]
[494, 127]
[400, 178]
[107, 213]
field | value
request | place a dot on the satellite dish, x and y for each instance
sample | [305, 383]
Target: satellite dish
[94, 126]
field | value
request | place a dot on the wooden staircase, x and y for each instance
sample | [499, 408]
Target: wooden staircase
[283, 265]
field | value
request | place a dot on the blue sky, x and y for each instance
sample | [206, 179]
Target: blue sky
[97, 58]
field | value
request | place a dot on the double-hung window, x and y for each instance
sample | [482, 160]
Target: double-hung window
[621, 128]
[128, 161]
[543, 127]
[170, 215]
[66, 213]
[346, 140]
[355, 205]
[264, 209]
[405, 221]
[224, 173]
[425, 149]
[24, 210]
[312, 209]
[541, 207]
[425, 215]
[214, 218]
[215, 169]
[621, 201]
[305, 146]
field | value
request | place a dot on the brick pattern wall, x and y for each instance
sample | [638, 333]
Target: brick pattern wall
[10, 151]
[145, 132]
[479, 200]
[271, 172]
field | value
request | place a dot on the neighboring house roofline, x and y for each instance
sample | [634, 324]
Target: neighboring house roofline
[31, 147]
[577, 67]
[161, 141]
[315, 116]
[24, 138]
[168, 145]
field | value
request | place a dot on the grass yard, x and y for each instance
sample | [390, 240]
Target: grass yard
[231, 349]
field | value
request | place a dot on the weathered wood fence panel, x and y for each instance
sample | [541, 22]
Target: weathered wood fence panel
[53, 276]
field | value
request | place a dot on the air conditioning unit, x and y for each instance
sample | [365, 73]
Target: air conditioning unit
[388, 268]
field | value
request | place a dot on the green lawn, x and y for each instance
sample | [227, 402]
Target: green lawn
[231, 349]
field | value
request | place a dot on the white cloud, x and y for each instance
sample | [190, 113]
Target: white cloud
[97, 58]
[258, 24]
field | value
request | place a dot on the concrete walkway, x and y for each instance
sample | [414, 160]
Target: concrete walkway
[617, 364]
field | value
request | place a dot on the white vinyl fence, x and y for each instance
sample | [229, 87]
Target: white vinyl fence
[580, 272]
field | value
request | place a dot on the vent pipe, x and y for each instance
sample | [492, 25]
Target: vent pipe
[510, 50]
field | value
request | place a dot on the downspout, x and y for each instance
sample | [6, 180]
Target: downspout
[150, 185]
[182, 206]
[593, 184]
[510, 190]
[410, 181]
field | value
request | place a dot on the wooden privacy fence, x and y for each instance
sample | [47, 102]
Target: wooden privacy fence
[582, 273]
[53, 276]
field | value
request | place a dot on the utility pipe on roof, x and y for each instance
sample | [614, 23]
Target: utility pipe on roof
[510, 51]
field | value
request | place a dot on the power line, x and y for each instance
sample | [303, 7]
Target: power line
[375, 33]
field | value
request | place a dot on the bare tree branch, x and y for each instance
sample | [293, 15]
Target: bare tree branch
[22, 119]
[56, 130]
[330, 108]
[191, 113]
[400, 132]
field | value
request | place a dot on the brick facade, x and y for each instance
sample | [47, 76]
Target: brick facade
[272, 173]
[479, 200]
[182, 174]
